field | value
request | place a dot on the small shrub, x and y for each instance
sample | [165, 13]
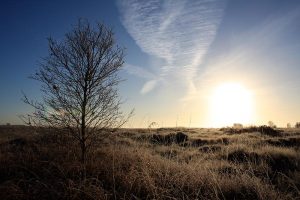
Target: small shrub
[181, 137]
[159, 139]
[282, 163]
[266, 130]
[242, 156]
[285, 142]
[177, 138]
[200, 142]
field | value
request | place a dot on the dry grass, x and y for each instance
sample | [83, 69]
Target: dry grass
[210, 164]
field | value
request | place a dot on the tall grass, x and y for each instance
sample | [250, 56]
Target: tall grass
[129, 165]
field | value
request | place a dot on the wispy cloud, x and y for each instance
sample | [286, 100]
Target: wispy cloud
[177, 31]
[139, 71]
[252, 53]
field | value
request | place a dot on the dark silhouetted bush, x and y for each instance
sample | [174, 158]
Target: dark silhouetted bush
[181, 137]
[177, 138]
[267, 130]
[200, 142]
[242, 156]
[286, 142]
[282, 163]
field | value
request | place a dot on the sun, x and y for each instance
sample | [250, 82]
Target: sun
[231, 103]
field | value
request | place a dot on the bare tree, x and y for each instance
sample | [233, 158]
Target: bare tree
[271, 124]
[79, 81]
[237, 126]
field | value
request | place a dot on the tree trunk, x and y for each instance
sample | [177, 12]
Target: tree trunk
[83, 130]
[83, 125]
[83, 152]
[83, 159]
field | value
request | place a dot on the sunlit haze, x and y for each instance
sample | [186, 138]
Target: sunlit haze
[188, 63]
[231, 103]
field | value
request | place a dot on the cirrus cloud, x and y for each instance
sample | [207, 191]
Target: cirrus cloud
[179, 32]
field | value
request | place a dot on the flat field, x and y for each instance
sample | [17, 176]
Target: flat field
[166, 163]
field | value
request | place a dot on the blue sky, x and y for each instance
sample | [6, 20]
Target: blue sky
[177, 53]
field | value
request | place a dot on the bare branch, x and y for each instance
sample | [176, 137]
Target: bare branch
[79, 80]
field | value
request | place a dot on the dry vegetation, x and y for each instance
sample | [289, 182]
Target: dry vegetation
[161, 164]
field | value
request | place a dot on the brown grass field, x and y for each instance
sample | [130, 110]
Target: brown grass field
[152, 164]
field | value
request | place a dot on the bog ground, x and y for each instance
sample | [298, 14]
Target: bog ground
[252, 163]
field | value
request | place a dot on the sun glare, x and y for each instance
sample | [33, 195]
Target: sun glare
[231, 103]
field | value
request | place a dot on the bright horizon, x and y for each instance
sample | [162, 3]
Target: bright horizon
[188, 63]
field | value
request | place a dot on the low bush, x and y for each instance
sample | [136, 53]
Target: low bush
[168, 139]
[266, 130]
